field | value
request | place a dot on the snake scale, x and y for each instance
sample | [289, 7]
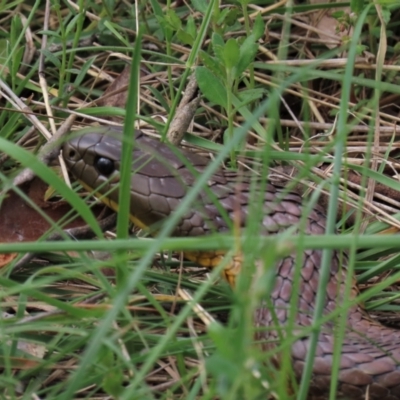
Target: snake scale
[370, 357]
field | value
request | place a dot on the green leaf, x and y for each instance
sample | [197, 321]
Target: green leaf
[222, 18]
[52, 58]
[109, 5]
[250, 95]
[3, 52]
[232, 16]
[231, 54]
[386, 14]
[173, 20]
[191, 27]
[360, 49]
[16, 60]
[113, 383]
[185, 37]
[72, 24]
[50, 33]
[200, 5]
[156, 8]
[105, 357]
[115, 30]
[248, 51]
[356, 6]
[212, 64]
[218, 334]
[224, 370]
[227, 137]
[165, 27]
[338, 14]
[218, 44]
[82, 72]
[211, 86]
[16, 28]
[396, 48]
[258, 27]
[223, 364]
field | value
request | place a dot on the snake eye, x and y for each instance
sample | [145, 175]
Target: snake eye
[72, 154]
[104, 166]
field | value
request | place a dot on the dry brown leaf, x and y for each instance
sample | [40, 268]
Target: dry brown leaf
[6, 258]
[329, 27]
[115, 95]
[20, 222]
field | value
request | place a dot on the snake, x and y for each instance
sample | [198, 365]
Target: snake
[162, 174]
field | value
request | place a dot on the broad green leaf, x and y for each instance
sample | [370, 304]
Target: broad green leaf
[212, 64]
[258, 27]
[200, 5]
[248, 51]
[231, 54]
[232, 16]
[222, 18]
[386, 15]
[211, 86]
[173, 20]
[185, 37]
[191, 27]
[113, 382]
[218, 46]
[250, 95]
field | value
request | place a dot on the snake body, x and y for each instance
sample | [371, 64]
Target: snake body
[370, 356]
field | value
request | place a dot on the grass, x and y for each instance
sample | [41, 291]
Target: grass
[274, 98]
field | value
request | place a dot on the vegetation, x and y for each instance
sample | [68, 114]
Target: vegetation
[306, 91]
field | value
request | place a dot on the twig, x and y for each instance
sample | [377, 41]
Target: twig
[185, 113]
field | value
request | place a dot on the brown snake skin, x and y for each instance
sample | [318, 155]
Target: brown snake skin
[371, 352]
